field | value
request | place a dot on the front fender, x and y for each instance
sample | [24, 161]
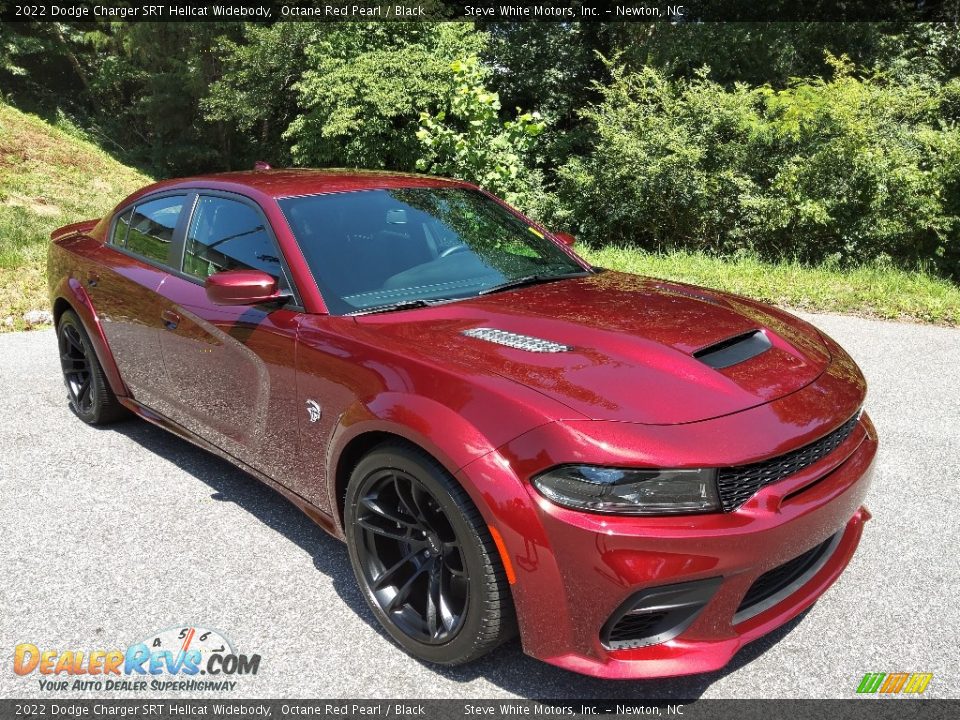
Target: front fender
[510, 511]
[459, 446]
[443, 433]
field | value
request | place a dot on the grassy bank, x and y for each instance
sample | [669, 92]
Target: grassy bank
[49, 176]
[875, 291]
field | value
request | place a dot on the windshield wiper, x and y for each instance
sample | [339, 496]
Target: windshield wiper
[531, 280]
[422, 302]
[401, 305]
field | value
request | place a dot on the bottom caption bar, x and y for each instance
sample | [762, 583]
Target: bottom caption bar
[443, 709]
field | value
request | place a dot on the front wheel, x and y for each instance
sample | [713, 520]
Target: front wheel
[424, 558]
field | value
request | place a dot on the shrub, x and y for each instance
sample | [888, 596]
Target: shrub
[846, 169]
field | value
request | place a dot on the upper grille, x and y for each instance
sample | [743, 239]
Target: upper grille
[515, 340]
[738, 484]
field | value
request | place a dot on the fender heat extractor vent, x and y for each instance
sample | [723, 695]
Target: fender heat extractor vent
[734, 350]
[520, 342]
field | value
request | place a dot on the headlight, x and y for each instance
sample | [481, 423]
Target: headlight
[630, 491]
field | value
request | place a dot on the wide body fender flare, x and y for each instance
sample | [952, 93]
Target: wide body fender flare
[73, 293]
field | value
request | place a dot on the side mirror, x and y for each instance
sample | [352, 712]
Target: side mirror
[242, 287]
[565, 238]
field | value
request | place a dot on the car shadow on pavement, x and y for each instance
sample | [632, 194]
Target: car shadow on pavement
[507, 667]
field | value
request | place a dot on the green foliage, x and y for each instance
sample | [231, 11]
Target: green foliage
[754, 53]
[254, 93]
[775, 52]
[148, 80]
[847, 169]
[364, 87]
[13, 46]
[780, 150]
[466, 138]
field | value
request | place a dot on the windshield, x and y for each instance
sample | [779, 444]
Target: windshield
[379, 248]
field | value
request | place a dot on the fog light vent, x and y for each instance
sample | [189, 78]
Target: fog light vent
[656, 615]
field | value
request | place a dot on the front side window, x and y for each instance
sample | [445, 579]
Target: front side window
[228, 235]
[152, 226]
[375, 248]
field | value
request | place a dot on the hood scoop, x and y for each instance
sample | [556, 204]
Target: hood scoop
[514, 340]
[734, 350]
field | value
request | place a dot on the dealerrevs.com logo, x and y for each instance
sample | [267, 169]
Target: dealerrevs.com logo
[895, 683]
[180, 658]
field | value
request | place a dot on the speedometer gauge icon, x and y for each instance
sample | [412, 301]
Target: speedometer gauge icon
[185, 638]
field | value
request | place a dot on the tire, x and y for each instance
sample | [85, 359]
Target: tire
[88, 391]
[424, 558]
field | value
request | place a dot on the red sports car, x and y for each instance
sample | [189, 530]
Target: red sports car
[638, 476]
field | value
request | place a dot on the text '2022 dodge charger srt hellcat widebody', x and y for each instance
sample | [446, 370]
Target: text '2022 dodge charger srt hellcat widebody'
[636, 476]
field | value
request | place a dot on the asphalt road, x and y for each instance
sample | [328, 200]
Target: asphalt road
[111, 534]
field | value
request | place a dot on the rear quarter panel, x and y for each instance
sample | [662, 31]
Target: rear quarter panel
[66, 262]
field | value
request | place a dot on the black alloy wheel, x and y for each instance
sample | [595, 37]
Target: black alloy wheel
[88, 391]
[411, 557]
[76, 368]
[424, 558]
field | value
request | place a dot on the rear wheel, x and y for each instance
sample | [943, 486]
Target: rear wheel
[89, 394]
[424, 558]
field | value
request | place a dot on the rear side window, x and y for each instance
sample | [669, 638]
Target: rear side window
[152, 226]
[229, 235]
[119, 236]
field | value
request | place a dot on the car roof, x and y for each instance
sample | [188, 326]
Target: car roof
[302, 181]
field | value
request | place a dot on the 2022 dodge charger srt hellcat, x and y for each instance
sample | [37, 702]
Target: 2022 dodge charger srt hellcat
[637, 476]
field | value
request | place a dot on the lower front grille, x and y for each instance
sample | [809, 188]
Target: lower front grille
[633, 628]
[736, 485]
[777, 584]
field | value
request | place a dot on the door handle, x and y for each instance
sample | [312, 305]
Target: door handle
[170, 319]
[92, 279]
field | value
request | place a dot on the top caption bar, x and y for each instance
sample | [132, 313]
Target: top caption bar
[679, 11]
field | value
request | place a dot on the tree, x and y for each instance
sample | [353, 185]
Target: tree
[146, 85]
[364, 87]
[466, 139]
[255, 93]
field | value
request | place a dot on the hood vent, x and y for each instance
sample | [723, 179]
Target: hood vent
[520, 342]
[734, 350]
[671, 289]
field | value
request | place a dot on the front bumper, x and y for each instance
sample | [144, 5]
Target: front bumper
[574, 570]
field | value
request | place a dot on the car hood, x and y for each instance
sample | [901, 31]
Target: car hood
[633, 349]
